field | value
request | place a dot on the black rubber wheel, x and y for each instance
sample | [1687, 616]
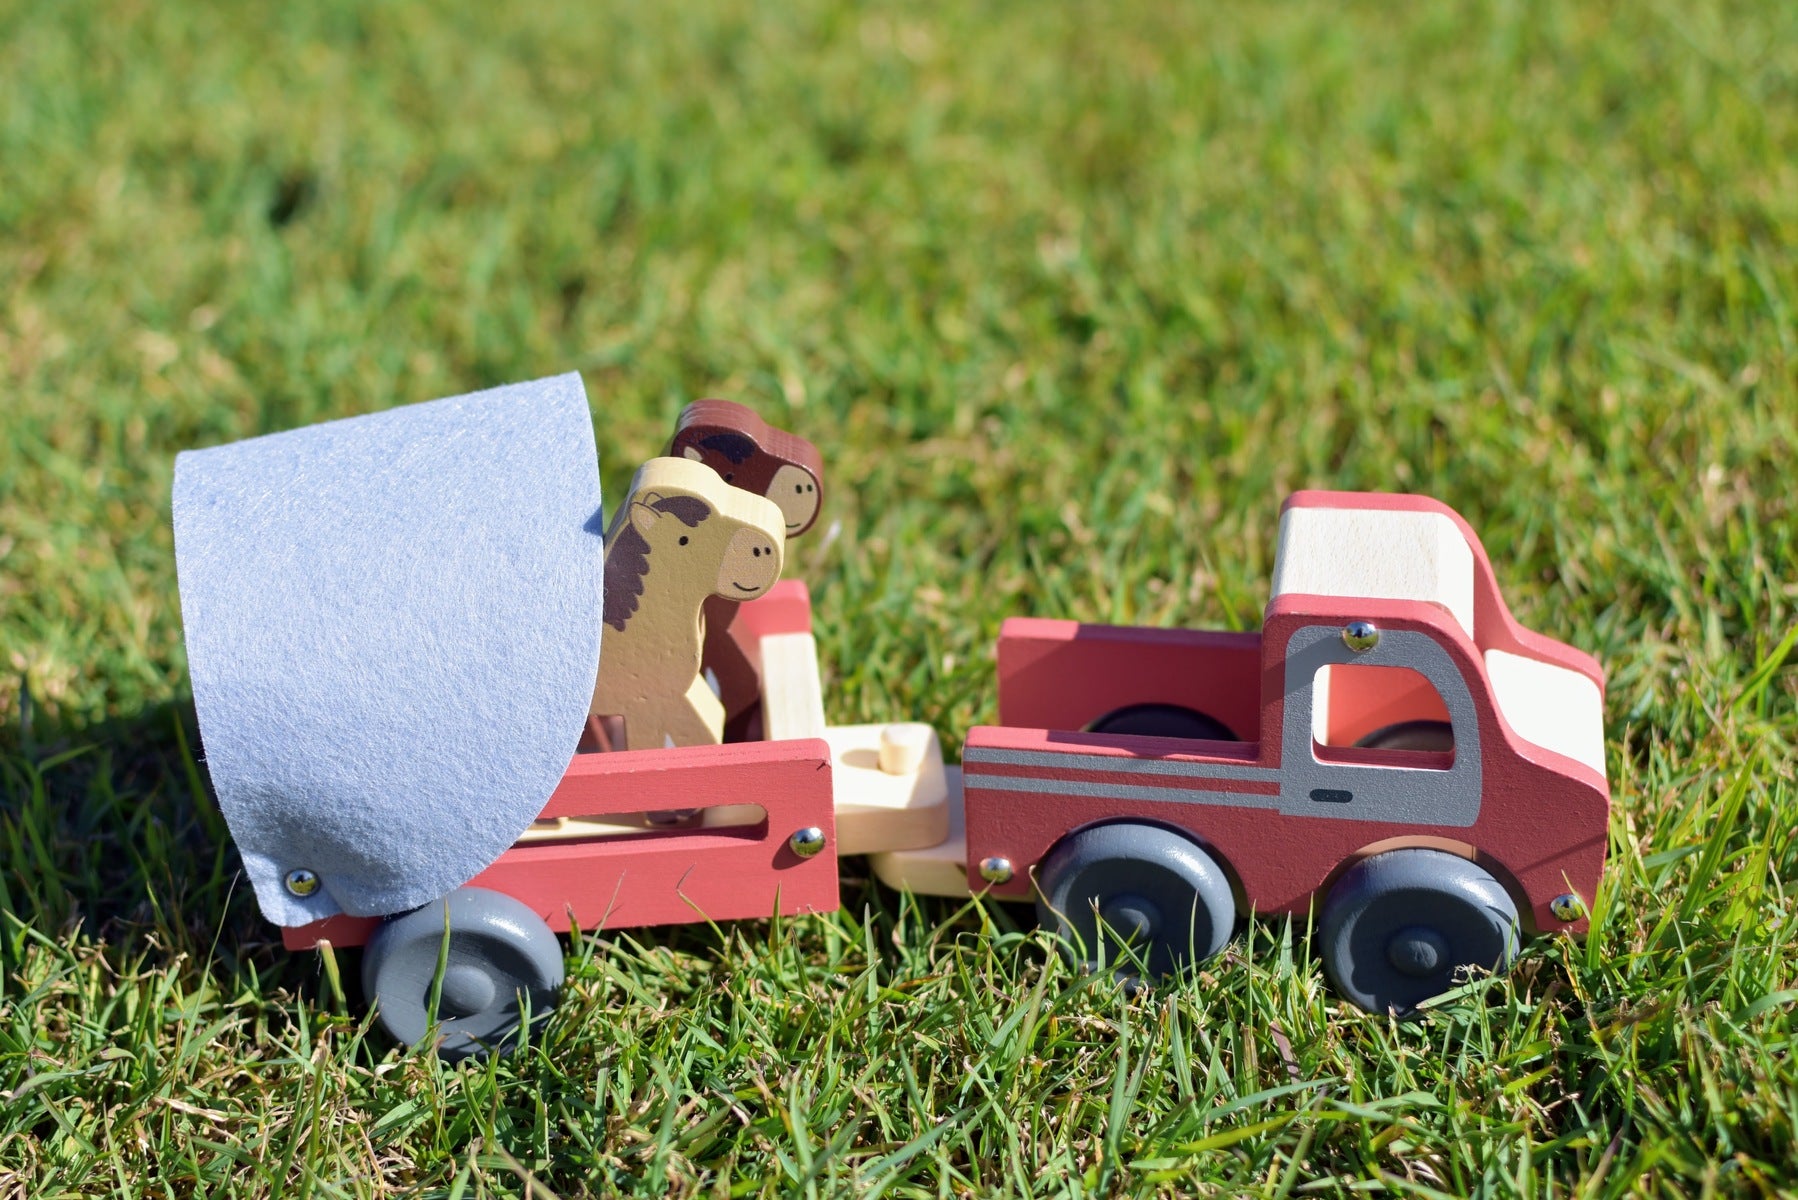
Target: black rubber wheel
[1136, 899]
[1162, 720]
[501, 959]
[1406, 925]
[1436, 736]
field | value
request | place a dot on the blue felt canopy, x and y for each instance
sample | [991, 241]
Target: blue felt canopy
[393, 629]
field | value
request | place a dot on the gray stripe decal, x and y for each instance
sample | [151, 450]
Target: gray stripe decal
[1420, 797]
[1075, 760]
[1300, 805]
[1115, 791]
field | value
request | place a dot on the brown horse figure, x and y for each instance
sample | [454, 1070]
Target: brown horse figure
[683, 535]
[751, 454]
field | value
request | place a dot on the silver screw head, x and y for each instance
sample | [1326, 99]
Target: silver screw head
[996, 869]
[807, 842]
[1567, 907]
[1360, 636]
[301, 882]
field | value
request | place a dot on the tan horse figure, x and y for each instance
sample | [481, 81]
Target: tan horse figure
[682, 535]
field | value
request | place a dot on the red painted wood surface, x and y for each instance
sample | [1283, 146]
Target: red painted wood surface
[733, 634]
[787, 608]
[1066, 675]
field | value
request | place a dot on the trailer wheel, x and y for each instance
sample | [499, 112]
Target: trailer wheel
[1162, 720]
[1406, 925]
[501, 962]
[1137, 899]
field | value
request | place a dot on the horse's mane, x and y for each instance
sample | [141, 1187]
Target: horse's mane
[628, 561]
[738, 447]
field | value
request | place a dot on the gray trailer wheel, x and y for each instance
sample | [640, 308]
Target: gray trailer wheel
[1406, 925]
[1123, 895]
[501, 957]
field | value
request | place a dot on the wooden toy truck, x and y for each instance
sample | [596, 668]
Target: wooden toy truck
[1391, 752]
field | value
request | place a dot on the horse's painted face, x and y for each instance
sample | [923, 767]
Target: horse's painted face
[650, 518]
[795, 490]
[750, 565]
[750, 454]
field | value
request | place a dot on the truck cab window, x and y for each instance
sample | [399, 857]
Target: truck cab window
[1361, 712]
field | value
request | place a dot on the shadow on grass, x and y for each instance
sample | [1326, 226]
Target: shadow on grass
[110, 835]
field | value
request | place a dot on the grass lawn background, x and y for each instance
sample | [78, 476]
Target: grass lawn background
[1070, 296]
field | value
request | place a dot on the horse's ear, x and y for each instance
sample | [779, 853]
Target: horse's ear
[643, 515]
[692, 452]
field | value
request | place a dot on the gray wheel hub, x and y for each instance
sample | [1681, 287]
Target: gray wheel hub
[467, 990]
[1131, 917]
[1417, 950]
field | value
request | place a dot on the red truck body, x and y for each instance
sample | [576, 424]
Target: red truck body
[1284, 810]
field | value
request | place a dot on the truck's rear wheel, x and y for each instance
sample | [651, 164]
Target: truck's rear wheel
[1162, 720]
[1406, 925]
[1435, 736]
[1136, 899]
[502, 961]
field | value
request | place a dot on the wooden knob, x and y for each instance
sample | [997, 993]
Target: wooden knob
[902, 748]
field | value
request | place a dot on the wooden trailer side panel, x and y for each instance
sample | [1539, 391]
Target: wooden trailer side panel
[666, 876]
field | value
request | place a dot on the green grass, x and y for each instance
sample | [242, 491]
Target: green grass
[1071, 295]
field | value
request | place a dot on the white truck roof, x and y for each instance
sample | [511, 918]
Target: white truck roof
[1400, 554]
[1376, 554]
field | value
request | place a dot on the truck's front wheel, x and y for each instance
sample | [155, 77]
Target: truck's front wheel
[1137, 899]
[1406, 925]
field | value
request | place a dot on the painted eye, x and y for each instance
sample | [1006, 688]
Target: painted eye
[730, 477]
[799, 489]
[683, 539]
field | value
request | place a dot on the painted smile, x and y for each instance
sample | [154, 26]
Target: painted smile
[741, 588]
